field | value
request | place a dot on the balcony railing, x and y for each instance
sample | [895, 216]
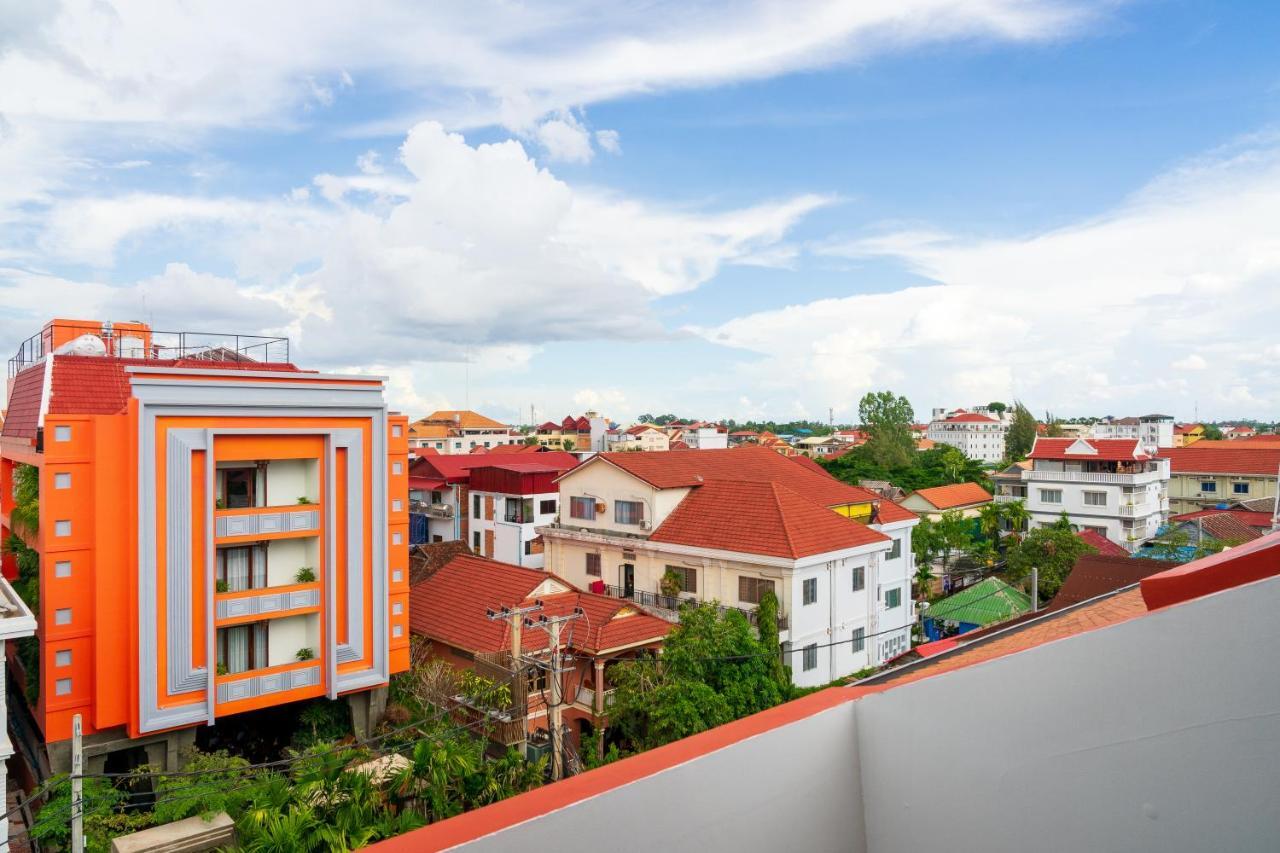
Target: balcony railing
[673, 603]
[1092, 477]
[431, 510]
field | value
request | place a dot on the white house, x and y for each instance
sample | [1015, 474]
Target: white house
[1153, 431]
[646, 437]
[460, 431]
[1108, 485]
[726, 525]
[15, 621]
[705, 438]
[510, 500]
[976, 435]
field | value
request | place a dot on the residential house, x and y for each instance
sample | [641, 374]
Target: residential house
[644, 437]
[1009, 483]
[822, 446]
[1212, 473]
[1222, 528]
[1146, 757]
[931, 503]
[215, 537]
[1237, 432]
[1110, 485]
[1263, 521]
[727, 525]
[588, 432]
[976, 435]
[440, 488]
[1153, 431]
[884, 489]
[743, 436]
[705, 436]
[1185, 435]
[509, 501]
[450, 609]
[987, 602]
[460, 431]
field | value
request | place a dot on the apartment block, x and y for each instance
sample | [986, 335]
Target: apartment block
[219, 531]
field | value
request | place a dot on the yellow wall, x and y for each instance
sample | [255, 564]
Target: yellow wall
[1185, 493]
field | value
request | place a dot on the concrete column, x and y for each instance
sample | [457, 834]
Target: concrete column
[367, 708]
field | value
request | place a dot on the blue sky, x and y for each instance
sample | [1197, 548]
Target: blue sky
[724, 210]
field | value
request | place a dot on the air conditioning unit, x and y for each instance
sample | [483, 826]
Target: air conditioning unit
[644, 525]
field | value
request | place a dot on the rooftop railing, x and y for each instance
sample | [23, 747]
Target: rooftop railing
[150, 345]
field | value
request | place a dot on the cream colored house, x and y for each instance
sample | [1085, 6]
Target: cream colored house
[726, 525]
[646, 437]
[1209, 473]
[965, 498]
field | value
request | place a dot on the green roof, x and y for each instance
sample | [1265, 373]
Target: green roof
[988, 601]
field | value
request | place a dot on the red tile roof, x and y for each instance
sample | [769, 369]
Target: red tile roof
[955, 495]
[1105, 449]
[970, 417]
[456, 468]
[760, 518]
[1105, 546]
[1224, 526]
[450, 606]
[23, 415]
[1206, 458]
[1260, 520]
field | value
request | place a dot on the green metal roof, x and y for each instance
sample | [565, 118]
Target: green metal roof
[988, 601]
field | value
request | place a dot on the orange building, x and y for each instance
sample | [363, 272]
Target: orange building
[219, 532]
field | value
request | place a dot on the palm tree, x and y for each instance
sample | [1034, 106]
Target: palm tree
[1015, 512]
[989, 518]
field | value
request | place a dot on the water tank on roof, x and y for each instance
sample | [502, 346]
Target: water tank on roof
[129, 346]
[83, 345]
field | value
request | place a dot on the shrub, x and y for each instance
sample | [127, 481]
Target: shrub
[305, 653]
[306, 574]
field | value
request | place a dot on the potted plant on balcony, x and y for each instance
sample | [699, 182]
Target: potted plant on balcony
[220, 586]
[305, 653]
[306, 574]
[670, 584]
[221, 669]
[305, 501]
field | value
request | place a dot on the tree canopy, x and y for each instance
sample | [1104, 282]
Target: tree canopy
[1022, 433]
[938, 466]
[1053, 550]
[887, 419]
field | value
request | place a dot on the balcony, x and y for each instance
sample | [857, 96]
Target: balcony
[431, 510]
[587, 697]
[1008, 499]
[266, 603]
[1100, 477]
[267, 521]
[673, 603]
[1138, 510]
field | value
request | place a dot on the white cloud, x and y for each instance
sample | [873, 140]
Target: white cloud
[565, 139]
[609, 140]
[1081, 319]
[1194, 361]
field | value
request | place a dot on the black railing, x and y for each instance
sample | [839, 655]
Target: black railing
[150, 345]
[671, 602]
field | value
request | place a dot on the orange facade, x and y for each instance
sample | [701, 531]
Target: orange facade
[230, 539]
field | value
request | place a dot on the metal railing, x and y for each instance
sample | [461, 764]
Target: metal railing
[673, 603]
[153, 345]
[1092, 477]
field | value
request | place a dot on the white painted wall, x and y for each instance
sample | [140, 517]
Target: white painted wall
[286, 556]
[285, 636]
[290, 479]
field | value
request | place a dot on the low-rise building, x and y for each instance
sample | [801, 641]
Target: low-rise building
[1152, 431]
[588, 432]
[451, 431]
[1111, 486]
[726, 525]
[513, 499]
[965, 498]
[1210, 473]
[642, 437]
[1185, 435]
[1236, 432]
[976, 435]
[703, 436]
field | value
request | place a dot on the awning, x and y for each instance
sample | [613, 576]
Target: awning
[426, 484]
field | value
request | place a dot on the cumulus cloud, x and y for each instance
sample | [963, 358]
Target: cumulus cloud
[565, 139]
[1082, 319]
[1194, 361]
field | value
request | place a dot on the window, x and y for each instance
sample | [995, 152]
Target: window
[810, 590]
[896, 551]
[1051, 496]
[750, 589]
[859, 639]
[237, 487]
[1240, 488]
[859, 578]
[580, 507]
[475, 541]
[62, 657]
[628, 512]
[528, 547]
[688, 577]
[810, 657]
[1209, 486]
[593, 565]
[62, 481]
[242, 568]
[892, 598]
[396, 468]
[1095, 498]
[547, 507]
[518, 510]
[1101, 531]
[243, 647]
[435, 497]
[475, 506]
[62, 433]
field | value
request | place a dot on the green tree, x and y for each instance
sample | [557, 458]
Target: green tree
[989, 518]
[997, 407]
[1015, 512]
[531, 439]
[954, 533]
[887, 420]
[1022, 433]
[714, 668]
[567, 444]
[925, 543]
[1052, 550]
[1053, 426]
[1212, 432]
[25, 517]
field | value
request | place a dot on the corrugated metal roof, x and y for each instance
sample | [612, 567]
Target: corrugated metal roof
[989, 600]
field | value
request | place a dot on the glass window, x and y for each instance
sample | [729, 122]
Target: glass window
[810, 590]
[1240, 488]
[475, 541]
[1209, 486]
[242, 568]
[859, 639]
[593, 565]
[628, 512]
[750, 589]
[547, 507]
[811, 657]
[518, 510]
[475, 506]
[1051, 496]
[892, 598]
[859, 578]
[242, 647]
[688, 577]
[236, 487]
[1095, 498]
[896, 551]
[580, 507]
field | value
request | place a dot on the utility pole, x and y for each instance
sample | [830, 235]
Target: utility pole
[552, 625]
[515, 616]
[77, 785]
[1035, 589]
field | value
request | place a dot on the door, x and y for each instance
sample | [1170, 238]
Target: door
[628, 580]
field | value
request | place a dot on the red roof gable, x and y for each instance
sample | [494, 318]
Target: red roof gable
[1105, 546]
[1104, 449]
[1240, 458]
[954, 495]
[760, 518]
[23, 416]
[450, 606]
